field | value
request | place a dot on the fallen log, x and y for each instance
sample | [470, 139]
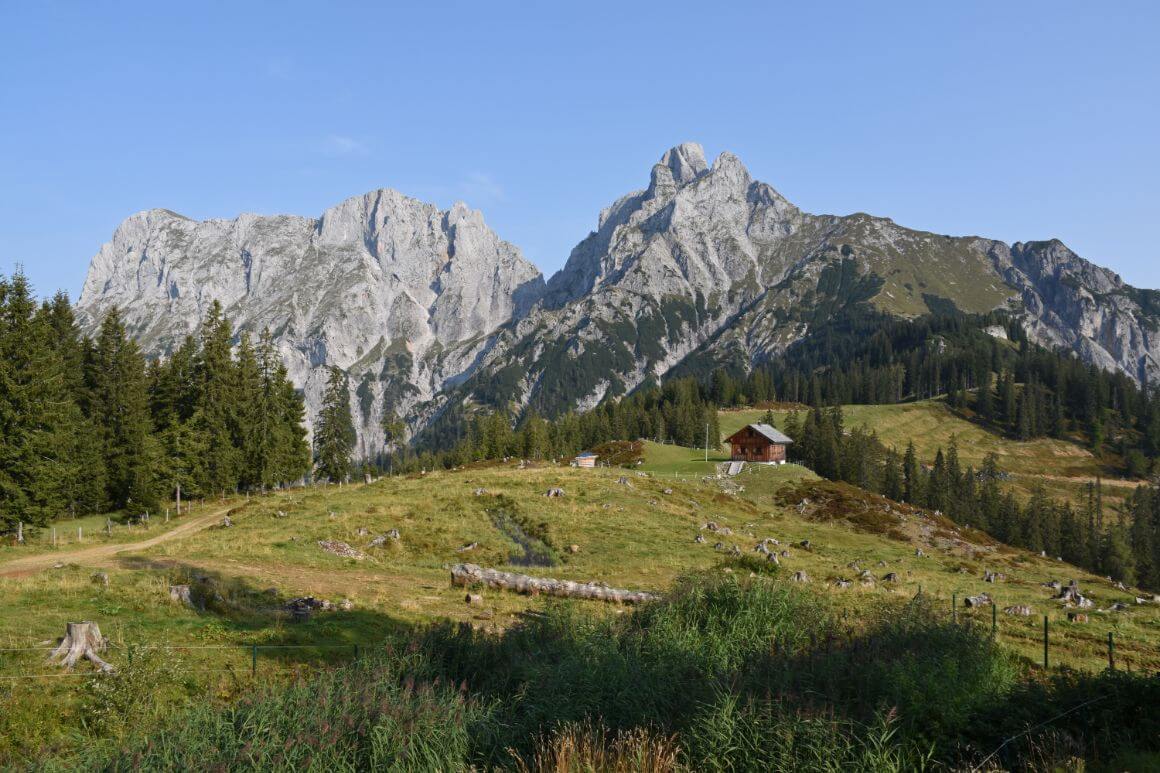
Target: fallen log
[81, 640]
[466, 575]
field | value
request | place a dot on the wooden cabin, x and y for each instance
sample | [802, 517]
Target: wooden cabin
[758, 443]
[586, 459]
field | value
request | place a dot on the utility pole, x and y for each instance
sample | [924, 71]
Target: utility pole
[179, 498]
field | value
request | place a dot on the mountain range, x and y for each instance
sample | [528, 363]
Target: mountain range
[424, 308]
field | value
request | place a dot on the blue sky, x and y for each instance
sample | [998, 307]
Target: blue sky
[1017, 121]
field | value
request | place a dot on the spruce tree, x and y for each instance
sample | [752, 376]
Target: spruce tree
[334, 435]
[216, 413]
[121, 407]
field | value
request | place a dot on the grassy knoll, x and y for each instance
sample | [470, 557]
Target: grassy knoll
[1065, 468]
[631, 535]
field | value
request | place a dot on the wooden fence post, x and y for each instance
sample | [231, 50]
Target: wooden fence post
[1111, 652]
[1045, 661]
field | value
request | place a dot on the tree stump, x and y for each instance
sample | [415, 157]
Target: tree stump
[101, 578]
[180, 594]
[81, 640]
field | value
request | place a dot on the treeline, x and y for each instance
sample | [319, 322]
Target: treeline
[88, 426]
[676, 413]
[1126, 548]
[1014, 386]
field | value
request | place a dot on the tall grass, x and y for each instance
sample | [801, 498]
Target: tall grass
[726, 674]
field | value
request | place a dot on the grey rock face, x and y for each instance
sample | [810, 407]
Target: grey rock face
[401, 295]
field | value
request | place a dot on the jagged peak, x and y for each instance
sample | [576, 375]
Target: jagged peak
[686, 162]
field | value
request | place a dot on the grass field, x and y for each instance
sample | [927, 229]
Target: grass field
[638, 534]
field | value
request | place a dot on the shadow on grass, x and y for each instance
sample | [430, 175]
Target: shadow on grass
[741, 674]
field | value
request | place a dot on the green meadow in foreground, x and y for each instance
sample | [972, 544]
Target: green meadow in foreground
[729, 672]
[728, 666]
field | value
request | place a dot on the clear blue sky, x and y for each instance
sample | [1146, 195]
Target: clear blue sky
[1015, 120]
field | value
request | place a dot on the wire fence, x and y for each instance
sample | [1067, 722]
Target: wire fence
[1053, 637]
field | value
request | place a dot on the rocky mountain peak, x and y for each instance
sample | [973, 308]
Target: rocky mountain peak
[686, 161]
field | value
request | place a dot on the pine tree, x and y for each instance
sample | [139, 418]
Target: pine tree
[215, 415]
[121, 407]
[334, 435]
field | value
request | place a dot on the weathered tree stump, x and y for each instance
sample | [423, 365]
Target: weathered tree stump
[800, 576]
[180, 594]
[466, 575]
[101, 578]
[473, 600]
[981, 600]
[81, 640]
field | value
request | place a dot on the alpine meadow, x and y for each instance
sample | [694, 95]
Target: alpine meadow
[734, 486]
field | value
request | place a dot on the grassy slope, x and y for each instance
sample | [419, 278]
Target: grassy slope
[632, 535]
[1063, 466]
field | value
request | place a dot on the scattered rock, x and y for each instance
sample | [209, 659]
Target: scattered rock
[842, 583]
[800, 576]
[785, 554]
[362, 531]
[468, 547]
[735, 551]
[281, 514]
[699, 539]
[623, 481]
[1119, 606]
[989, 576]
[554, 492]
[667, 491]
[101, 578]
[301, 609]
[1019, 610]
[983, 599]
[226, 522]
[891, 577]
[346, 605]
[479, 492]
[772, 558]
[573, 549]
[473, 600]
[1077, 617]
[918, 552]
[805, 544]
[1119, 586]
[340, 548]
[719, 546]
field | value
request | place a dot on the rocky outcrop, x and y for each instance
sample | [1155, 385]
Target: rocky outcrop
[401, 295]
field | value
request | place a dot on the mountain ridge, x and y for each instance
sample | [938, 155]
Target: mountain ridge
[428, 308]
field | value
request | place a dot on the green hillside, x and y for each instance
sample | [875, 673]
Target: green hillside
[630, 528]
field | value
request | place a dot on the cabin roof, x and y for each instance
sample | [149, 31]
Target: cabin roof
[772, 434]
[586, 455]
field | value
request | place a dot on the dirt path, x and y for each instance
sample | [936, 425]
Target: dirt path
[102, 555]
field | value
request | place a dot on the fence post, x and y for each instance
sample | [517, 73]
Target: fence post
[1045, 661]
[1111, 652]
[356, 652]
[994, 619]
[254, 661]
[954, 608]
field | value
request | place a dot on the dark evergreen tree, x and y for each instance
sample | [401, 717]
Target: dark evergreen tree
[334, 435]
